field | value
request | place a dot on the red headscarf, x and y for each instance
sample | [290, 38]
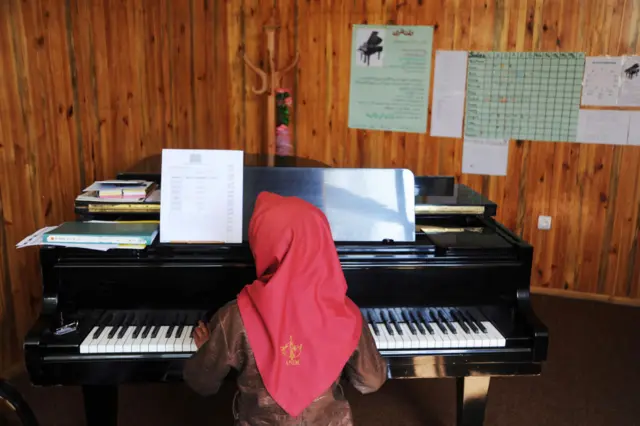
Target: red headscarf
[300, 324]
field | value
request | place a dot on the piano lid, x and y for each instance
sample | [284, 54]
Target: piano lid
[459, 200]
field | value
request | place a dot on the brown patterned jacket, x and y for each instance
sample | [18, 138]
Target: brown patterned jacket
[229, 348]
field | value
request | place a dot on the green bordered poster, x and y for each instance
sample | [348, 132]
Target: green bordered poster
[524, 95]
[390, 75]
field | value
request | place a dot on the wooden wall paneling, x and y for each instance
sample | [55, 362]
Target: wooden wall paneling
[89, 87]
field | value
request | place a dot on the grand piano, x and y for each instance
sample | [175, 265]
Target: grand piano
[443, 286]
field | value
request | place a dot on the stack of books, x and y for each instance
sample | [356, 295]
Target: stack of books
[95, 235]
[123, 190]
[119, 196]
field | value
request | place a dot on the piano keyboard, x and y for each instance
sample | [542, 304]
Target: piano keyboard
[392, 328]
[139, 333]
[431, 328]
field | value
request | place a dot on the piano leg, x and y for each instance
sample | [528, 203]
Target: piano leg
[471, 398]
[101, 405]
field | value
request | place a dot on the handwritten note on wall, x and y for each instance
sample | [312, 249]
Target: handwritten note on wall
[390, 74]
[449, 84]
[485, 156]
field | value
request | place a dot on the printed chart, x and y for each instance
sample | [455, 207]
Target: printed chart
[524, 95]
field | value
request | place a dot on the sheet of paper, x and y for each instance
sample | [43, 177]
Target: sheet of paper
[449, 85]
[603, 126]
[201, 198]
[634, 128]
[523, 95]
[390, 75]
[601, 83]
[485, 156]
[630, 84]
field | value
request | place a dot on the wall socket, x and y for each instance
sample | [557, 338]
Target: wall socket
[544, 222]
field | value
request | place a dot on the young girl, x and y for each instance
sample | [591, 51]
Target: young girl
[292, 332]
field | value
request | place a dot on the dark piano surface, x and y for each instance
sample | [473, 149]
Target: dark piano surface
[452, 304]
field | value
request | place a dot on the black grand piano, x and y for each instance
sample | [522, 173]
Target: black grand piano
[446, 295]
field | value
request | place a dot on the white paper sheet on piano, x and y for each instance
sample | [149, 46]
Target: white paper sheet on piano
[201, 199]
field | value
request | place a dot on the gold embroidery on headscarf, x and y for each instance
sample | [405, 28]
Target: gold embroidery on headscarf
[291, 352]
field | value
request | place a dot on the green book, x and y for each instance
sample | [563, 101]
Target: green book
[102, 233]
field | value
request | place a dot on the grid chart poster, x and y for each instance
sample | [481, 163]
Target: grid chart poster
[390, 76]
[524, 95]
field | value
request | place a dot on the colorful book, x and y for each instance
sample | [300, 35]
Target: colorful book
[102, 233]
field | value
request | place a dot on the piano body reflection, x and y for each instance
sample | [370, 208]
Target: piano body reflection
[370, 47]
[446, 297]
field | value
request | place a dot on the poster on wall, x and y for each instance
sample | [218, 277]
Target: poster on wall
[390, 75]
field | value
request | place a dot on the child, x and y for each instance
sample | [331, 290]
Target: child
[292, 332]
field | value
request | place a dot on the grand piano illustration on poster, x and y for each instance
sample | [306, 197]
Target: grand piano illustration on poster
[370, 43]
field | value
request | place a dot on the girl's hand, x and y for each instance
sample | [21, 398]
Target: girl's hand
[200, 334]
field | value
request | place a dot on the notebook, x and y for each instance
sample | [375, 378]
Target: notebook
[102, 233]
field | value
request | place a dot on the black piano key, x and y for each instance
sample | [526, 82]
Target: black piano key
[418, 322]
[457, 318]
[155, 331]
[106, 319]
[116, 326]
[467, 321]
[478, 323]
[172, 326]
[426, 320]
[181, 325]
[446, 322]
[370, 320]
[394, 321]
[385, 320]
[408, 320]
[125, 325]
[436, 319]
[139, 327]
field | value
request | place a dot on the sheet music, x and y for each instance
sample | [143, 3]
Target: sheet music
[449, 86]
[630, 84]
[603, 126]
[601, 83]
[485, 156]
[201, 198]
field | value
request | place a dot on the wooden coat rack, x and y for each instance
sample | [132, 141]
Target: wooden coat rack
[270, 81]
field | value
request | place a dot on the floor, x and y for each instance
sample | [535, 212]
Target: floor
[589, 380]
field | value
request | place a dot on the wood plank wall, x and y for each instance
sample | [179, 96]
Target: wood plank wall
[87, 87]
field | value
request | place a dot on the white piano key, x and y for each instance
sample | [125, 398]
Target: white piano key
[104, 340]
[175, 345]
[154, 344]
[442, 340]
[127, 346]
[390, 342]
[466, 340]
[414, 341]
[162, 344]
[137, 342]
[429, 339]
[146, 342]
[86, 343]
[118, 344]
[497, 338]
[93, 345]
[186, 340]
[376, 338]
